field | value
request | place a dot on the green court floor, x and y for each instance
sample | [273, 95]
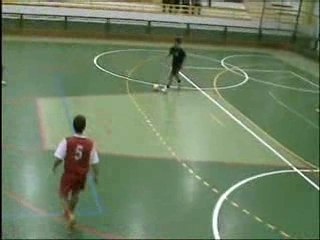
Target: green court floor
[232, 154]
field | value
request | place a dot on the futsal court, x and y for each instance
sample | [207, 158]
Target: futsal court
[232, 154]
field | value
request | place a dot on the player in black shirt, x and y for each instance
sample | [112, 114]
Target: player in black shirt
[178, 57]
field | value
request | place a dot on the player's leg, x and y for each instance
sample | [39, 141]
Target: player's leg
[66, 206]
[74, 200]
[170, 79]
[173, 74]
[177, 76]
[65, 192]
[72, 205]
[77, 187]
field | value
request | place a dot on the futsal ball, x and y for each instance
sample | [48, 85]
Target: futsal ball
[156, 87]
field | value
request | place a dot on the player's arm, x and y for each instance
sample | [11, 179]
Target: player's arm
[60, 154]
[56, 163]
[95, 170]
[183, 58]
[170, 52]
[94, 164]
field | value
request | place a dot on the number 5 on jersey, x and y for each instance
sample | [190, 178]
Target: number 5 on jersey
[78, 152]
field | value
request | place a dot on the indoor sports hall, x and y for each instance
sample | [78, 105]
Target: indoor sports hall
[231, 154]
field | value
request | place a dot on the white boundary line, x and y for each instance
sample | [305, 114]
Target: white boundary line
[203, 68]
[246, 77]
[209, 97]
[275, 84]
[251, 132]
[224, 196]
[293, 111]
[284, 86]
[304, 79]
[199, 56]
[244, 69]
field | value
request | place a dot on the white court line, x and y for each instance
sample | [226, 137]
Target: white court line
[251, 132]
[293, 111]
[304, 79]
[203, 68]
[223, 197]
[284, 86]
[270, 83]
[244, 69]
[264, 70]
[216, 119]
[96, 58]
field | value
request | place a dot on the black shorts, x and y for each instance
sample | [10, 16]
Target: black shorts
[175, 69]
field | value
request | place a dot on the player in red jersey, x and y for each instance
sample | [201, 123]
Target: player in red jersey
[78, 154]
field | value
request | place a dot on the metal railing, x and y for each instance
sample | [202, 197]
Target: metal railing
[291, 22]
[251, 11]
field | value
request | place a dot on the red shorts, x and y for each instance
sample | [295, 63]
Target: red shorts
[71, 183]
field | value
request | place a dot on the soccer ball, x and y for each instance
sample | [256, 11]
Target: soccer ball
[156, 87]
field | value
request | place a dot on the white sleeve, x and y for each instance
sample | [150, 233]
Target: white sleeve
[61, 150]
[94, 156]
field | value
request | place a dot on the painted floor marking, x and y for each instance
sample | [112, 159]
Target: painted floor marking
[284, 234]
[43, 132]
[284, 86]
[258, 219]
[293, 111]
[96, 63]
[251, 132]
[304, 79]
[275, 84]
[215, 190]
[246, 211]
[271, 226]
[216, 119]
[234, 204]
[199, 56]
[167, 146]
[217, 208]
[266, 56]
[191, 171]
[43, 213]
[206, 183]
[245, 69]
[252, 123]
[198, 177]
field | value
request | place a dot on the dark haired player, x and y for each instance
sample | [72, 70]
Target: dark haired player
[77, 153]
[178, 57]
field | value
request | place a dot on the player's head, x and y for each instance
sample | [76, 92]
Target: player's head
[79, 123]
[177, 41]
